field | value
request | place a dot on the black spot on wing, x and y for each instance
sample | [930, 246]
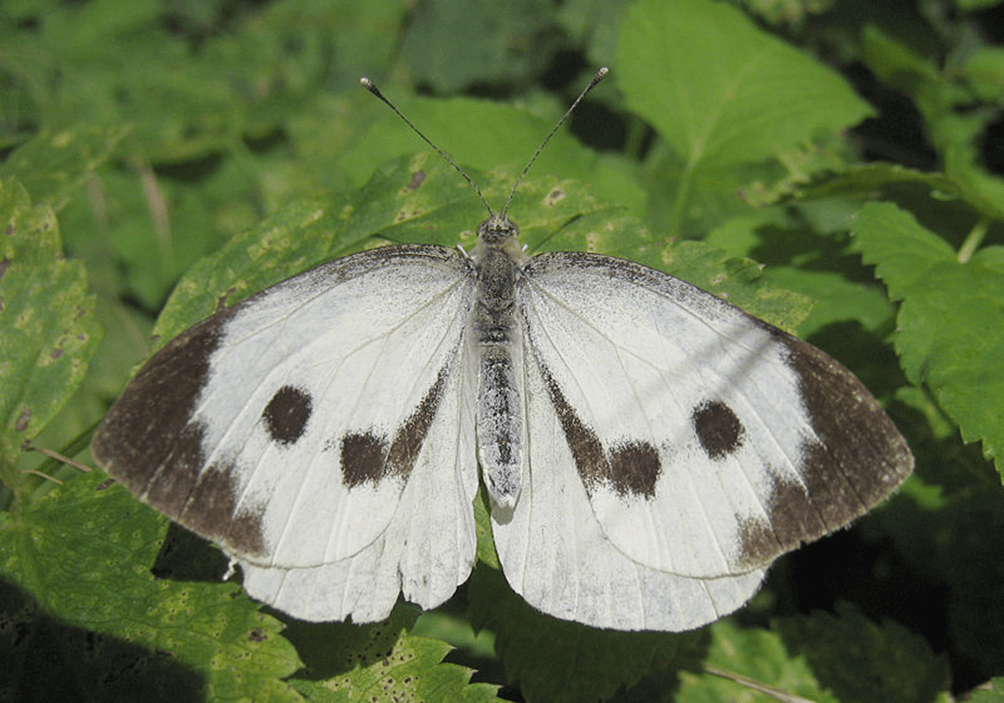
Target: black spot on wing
[367, 457]
[633, 467]
[718, 429]
[363, 458]
[857, 458]
[211, 511]
[410, 437]
[587, 451]
[204, 498]
[287, 414]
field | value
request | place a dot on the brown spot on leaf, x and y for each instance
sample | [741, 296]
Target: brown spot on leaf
[416, 180]
[555, 196]
[23, 419]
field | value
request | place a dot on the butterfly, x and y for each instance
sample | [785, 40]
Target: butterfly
[647, 449]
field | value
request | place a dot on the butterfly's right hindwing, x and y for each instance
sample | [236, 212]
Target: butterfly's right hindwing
[294, 427]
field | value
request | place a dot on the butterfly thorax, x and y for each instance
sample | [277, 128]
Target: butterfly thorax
[497, 260]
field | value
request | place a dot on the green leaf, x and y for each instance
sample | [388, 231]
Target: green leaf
[984, 69]
[78, 564]
[53, 163]
[991, 692]
[952, 122]
[950, 325]
[381, 662]
[480, 36]
[421, 200]
[863, 181]
[47, 328]
[739, 662]
[734, 105]
[722, 91]
[484, 135]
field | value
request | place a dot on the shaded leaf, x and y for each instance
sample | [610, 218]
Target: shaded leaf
[82, 555]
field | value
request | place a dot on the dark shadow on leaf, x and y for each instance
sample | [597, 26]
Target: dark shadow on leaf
[862, 660]
[557, 660]
[47, 660]
[185, 556]
[331, 648]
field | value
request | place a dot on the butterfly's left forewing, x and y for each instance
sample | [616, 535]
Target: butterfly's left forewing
[300, 430]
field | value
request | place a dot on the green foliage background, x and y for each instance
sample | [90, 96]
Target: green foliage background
[159, 155]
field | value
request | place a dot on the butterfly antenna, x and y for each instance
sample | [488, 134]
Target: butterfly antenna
[600, 75]
[368, 84]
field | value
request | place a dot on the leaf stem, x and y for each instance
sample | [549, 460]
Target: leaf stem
[746, 681]
[973, 241]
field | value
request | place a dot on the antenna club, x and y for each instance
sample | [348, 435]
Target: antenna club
[592, 84]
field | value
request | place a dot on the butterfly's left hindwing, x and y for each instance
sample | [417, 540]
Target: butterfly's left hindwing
[300, 430]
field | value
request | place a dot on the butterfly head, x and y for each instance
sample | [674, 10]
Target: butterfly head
[497, 230]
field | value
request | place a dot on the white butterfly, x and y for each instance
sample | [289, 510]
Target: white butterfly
[647, 448]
